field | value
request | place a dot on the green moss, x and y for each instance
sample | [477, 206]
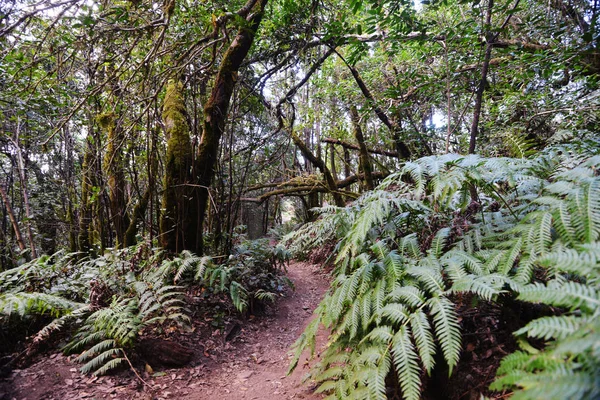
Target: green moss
[177, 217]
[178, 134]
[115, 171]
[106, 120]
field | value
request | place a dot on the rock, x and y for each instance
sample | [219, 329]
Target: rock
[245, 374]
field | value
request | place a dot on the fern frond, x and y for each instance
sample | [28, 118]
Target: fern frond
[421, 330]
[306, 339]
[377, 377]
[407, 366]
[101, 360]
[557, 327]
[483, 286]
[23, 303]
[447, 329]
[430, 277]
[439, 242]
[110, 365]
[571, 294]
[383, 334]
[396, 313]
[409, 295]
[409, 246]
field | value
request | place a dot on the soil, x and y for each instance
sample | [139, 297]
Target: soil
[246, 360]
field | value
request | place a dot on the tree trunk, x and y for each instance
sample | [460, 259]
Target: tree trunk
[401, 147]
[364, 160]
[138, 214]
[13, 219]
[113, 163]
[139, 211]
[177, 221]
[483, 82]
[347, 161]
[320, 164]
[23, 178]
[352, 146]
[85, 207]
[215, 111]
[332, 161]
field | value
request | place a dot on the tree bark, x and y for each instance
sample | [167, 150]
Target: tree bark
[85, 207]
[332, 161]
[215, 111]
[23, 178]
[177, 227]
[483, 82]
[352, 146]
[115, 172]
[364, 161]
[139, 211]
[320, 164]
[13, 219]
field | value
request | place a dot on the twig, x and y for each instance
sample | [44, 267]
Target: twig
[135, 371]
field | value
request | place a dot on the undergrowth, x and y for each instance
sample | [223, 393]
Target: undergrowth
[114, 299]
[449, 225]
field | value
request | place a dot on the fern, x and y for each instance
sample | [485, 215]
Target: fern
[23, 304]
[250, 275]
[405, 361]
[534, 233]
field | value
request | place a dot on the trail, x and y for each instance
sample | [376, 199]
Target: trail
[252, 365]
[257, 368]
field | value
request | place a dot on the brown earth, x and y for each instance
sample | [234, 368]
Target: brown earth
[247, 361]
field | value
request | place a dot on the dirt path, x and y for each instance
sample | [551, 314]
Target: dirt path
[253, 365]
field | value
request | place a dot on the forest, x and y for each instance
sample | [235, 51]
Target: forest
[414, 184]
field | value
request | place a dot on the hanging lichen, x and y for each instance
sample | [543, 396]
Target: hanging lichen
[178, 216]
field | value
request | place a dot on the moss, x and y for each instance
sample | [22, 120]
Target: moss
[138, 215]
[106, 120]
[178, 133]
[114, 168]
[83, 240]
[178, 217]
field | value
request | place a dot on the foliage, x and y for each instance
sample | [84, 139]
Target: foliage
[406, 249]
[412, 69]
[115, 298]
[251, 274]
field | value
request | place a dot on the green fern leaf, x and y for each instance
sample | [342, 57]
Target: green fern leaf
[423, 339]
[406, 362]
[430, 277]
[439, 242]
[447, 329]
[558, 327]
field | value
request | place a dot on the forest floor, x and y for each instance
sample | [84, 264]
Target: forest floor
[248, 360]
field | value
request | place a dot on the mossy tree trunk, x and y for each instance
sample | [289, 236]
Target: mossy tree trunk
[320, 164]
[85, 207]
[115, 171]
[215, 111]
[179, 211]
[138, 214]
